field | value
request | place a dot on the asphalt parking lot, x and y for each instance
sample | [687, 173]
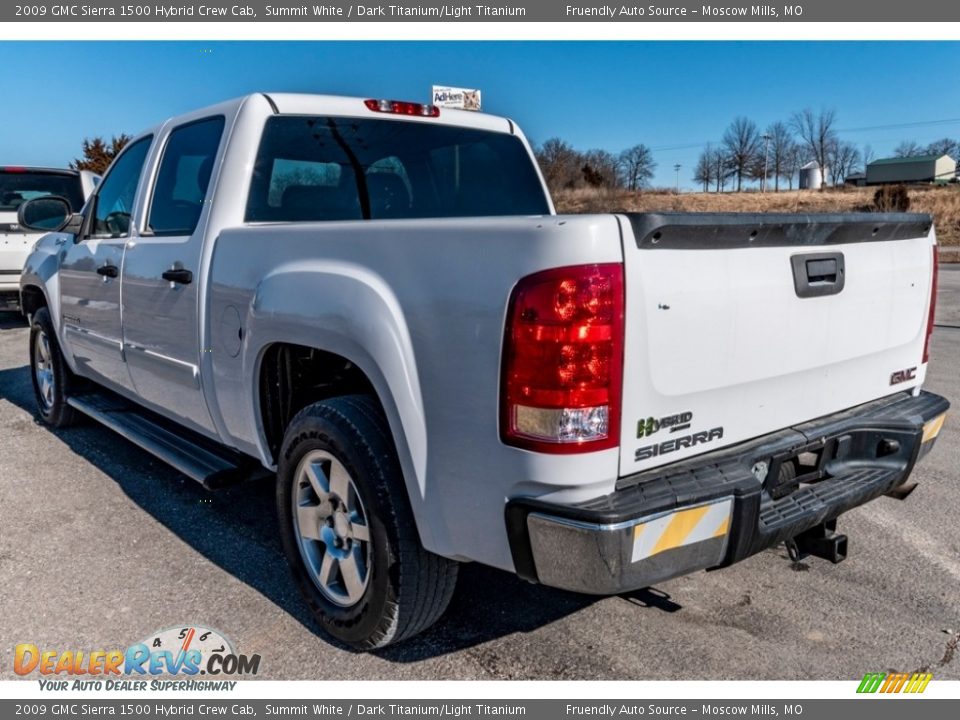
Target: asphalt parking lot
[100, 544]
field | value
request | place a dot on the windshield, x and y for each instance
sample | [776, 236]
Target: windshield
[323, 168]
[18, 186]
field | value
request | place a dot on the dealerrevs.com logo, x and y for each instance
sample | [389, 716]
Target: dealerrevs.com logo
[189, 651]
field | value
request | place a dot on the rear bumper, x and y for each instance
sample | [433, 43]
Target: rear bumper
[719, 508]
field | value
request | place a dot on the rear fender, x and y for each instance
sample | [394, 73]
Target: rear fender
[345, 309]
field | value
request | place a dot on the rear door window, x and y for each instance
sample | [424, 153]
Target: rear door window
[184, 177]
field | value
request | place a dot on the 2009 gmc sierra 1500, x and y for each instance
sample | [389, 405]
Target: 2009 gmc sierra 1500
[374, 301]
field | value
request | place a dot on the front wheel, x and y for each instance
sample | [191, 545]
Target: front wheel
[348, 530]
[52, 379]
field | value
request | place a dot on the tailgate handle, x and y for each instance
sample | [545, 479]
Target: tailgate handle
[822, 270]
[818, 274]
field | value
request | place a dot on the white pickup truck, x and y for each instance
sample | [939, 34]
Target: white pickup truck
[17, 185]
[374, 301]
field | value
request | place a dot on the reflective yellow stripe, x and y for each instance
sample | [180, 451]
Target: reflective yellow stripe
[722, 530]
[681, 525]
[924, 683]
[686, 526]
[932, 428]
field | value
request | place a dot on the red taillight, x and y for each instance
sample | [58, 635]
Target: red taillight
[13, 169]
[399, 107]
[933, 304]
[563, 360]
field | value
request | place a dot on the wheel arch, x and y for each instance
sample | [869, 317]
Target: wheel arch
[290, 375]
[32, 298]
[345, 314]
[40, 285]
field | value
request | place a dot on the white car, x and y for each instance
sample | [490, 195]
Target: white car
[17, 185]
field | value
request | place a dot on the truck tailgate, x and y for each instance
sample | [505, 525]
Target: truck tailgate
[738, 325]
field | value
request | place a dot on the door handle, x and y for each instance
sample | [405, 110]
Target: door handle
[108, 270]
[184, 277]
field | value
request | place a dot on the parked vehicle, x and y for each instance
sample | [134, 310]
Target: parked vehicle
[374, 301]
[17, 185]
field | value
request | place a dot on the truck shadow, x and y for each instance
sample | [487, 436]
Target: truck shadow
[11, 320]
[236, 529]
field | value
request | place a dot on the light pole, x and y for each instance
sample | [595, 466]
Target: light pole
[677, 169]
[766, 144]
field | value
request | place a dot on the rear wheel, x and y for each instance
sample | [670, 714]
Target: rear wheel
[52, 379]
[348, 530]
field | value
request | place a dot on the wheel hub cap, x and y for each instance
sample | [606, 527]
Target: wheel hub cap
[341, 525]
[43, 369]
[331, 528]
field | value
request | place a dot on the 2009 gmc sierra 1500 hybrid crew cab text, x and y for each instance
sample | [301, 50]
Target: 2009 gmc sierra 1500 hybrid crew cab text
[374, 301]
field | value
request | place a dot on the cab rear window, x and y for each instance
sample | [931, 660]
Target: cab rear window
[323, 168]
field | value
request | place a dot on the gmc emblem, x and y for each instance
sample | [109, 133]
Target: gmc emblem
[901, 376]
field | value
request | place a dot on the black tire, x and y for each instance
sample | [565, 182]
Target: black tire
[52, 398]
[406, 589]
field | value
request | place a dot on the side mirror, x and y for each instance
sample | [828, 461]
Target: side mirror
[49, 213]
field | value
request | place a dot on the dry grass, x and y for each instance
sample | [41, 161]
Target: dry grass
[941, 202]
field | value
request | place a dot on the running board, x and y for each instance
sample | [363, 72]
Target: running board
[203, 460]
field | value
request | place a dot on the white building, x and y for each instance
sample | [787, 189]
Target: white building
[811, 176]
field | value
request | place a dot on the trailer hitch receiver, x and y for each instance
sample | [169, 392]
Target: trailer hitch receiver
[821, 541]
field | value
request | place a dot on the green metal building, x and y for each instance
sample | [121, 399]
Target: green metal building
[918, 169]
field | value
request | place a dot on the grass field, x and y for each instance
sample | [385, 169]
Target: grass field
[941, 202]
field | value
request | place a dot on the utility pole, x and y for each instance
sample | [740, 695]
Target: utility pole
[766, 144]
[677, 169]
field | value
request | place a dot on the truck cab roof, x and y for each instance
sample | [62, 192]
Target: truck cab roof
[342, 105]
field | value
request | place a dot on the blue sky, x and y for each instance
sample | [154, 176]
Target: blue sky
[609, 95]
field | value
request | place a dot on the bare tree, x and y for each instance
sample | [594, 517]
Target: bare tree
[724, 168]
[600, 168]
[705, 170]
[741, 140]
[781, 143]
[718, 162]
[636, 166]
[867, 156]
[908, 148]
[792, 161]
[817, 133]
[944, 146]
[758, 168]
[830, 173]
[843, 161]
[560, 164]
